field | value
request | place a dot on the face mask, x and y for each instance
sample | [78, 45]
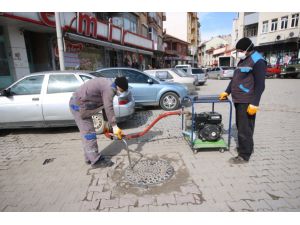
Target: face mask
[242, 55]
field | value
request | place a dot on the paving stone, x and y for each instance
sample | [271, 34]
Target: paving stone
[112, 203]
[258, 205]
[144, 208]
[146, 200]
[165, 199]
[188, 198]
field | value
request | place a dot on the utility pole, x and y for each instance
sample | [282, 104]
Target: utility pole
[59, 42]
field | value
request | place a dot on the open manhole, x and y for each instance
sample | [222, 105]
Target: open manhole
[149, 172]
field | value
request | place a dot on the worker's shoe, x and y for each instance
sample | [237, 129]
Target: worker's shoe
[237, 160]
[102, 163]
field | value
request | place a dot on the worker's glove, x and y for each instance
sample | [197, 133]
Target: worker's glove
[118, 132]
[223, 96]
[106, 127]
[252, 110]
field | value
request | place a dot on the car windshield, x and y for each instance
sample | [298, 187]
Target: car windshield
[96, 74]
[197, 71]
[179, 72]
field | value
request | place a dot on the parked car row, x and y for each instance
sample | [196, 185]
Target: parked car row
[42, 99]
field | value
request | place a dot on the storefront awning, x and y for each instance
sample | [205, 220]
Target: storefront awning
[77, 37]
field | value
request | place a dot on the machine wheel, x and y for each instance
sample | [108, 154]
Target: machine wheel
[169, 101]
[98, 123]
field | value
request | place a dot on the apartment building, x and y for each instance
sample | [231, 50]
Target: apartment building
[276, 34]
[92, 40]
[185, 27]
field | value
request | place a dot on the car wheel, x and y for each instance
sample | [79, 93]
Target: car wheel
[98, 123]
[169, 101]
[219, 77]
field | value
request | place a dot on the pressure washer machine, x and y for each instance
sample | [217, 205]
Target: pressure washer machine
[204, 130]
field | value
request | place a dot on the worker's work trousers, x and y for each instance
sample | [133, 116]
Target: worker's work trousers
[87, 132]
[245, 126]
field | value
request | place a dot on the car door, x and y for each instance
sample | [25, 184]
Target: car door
[23, 107]
[143, 91]
[58, 92]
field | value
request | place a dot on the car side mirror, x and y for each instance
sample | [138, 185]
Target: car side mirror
[5, 92]
[150, 81]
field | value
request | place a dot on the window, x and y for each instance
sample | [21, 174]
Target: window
[135, 76]
[144, 30]
[4, 67]
[284, 22]
[274, 25]
[85, 78]
[295, 18]
[163, 75]
[28, 86]
[197, 71]
[265, 27]
[106, 73]
[61, 83]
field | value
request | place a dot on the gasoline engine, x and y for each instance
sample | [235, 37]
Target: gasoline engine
[207, 125]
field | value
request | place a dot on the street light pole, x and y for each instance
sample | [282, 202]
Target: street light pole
[59, 41]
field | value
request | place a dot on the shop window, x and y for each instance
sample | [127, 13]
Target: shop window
[61, 83]
[28, 86]
[295, 19]
[4, 67]
[265, 27]
[274, 25]
[284, 22]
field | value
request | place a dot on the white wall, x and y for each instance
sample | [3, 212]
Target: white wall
[270, 36]
[176, 25]
[17, 52]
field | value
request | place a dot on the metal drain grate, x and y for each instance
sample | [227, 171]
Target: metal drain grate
[149, 172]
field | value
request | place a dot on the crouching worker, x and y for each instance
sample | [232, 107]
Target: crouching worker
[88, 100]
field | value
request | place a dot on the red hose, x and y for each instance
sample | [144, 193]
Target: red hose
[142, 133]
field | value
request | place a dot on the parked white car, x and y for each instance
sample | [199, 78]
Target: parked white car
[42, 100]
[222, 72]
[173, 75]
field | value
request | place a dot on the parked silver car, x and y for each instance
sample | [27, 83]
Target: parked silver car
[200, 75]
[174, 75]
[42, 100]
[222, 72]
[148, 90]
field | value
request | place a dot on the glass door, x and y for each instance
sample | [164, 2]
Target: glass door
[5, 75]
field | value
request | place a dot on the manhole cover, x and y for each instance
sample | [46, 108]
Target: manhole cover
[149, 172]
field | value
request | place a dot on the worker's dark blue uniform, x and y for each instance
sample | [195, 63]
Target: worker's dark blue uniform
[246, 87]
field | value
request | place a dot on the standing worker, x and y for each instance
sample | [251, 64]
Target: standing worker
[88, 100]
[246, 88]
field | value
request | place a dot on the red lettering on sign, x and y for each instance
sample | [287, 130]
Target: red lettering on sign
[87, 25]
[48, 18]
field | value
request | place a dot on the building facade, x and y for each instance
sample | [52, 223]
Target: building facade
[186, 27]
[209, 51]
[275, 34]
[176, 51]
[28, 41]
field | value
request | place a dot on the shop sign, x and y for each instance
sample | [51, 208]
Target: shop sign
[87, 25]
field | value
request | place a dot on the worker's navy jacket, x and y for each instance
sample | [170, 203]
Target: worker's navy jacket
[248, 82]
